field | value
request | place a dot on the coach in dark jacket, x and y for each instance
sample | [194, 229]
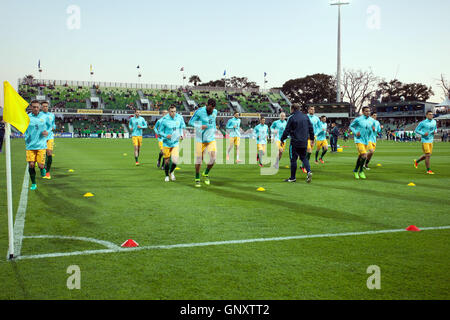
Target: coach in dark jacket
[300, 129]
[334, 135]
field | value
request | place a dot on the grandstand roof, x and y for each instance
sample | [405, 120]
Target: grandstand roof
[445, 103]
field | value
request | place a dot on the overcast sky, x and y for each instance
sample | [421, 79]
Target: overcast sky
[285, 38]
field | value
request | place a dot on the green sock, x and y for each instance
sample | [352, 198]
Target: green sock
[207, 170]
[32, 173]
[136, 159]
[317, 154]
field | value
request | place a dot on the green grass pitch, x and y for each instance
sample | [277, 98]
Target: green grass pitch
[135, 202]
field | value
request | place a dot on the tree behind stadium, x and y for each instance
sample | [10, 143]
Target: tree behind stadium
[314, 88]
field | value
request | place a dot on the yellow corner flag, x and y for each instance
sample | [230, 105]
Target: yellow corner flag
[14, 110]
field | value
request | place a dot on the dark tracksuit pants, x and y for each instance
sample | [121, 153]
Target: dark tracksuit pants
[333, 142]
[294, 154]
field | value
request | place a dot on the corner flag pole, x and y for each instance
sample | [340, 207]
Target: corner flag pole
[9, 190]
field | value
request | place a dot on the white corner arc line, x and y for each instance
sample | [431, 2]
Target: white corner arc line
[107, 244]
[204, 244]
[19, 223]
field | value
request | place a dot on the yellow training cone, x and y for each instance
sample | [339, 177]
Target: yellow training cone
[379, 165]
[287, 167]
[260, 189]
[177, 168]
[71, 170]
[87, 195]
[411, 184]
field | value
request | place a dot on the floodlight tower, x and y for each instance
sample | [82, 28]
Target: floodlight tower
[339, 3]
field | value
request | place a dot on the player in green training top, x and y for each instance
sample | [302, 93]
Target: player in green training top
[260, 133]
[315, 121]
[427, 128]
[321, 137]
[160, 139]
[277, 130]
[234, 131]
[362, 128]
[204, 122]
[36, 141]
[171, 130]
[373, 140]
[50, 138]
[137, 123]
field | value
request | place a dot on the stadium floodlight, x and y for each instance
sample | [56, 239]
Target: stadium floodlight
[339, 3]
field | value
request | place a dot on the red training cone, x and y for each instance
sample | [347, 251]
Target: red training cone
[130, 243]
[412, 228]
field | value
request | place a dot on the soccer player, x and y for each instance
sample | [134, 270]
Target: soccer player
[160, 139]
[277, 130]
[50, 138]
[171, 130]
[427, 128]
[300, 129]
[373, 140]
[260, 132]
[204, 122]
[136, 124]
[322, 138]
[361, 128]
[36, 142]
[315, 121]
[234, 128]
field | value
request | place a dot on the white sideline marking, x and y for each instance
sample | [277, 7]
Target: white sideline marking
[19, 224]
[204, 244]
[107, 244]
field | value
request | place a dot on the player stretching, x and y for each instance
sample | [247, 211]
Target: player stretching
[171, 130]
[361, 128]
[160, 139]
[315, 121]
[204, 122]
[137, 123]
[50, 138]
[36, 142]
[277, 129]
[373, 140]
[427, 128]
[260, 132]
[322, 138]
[234, 128]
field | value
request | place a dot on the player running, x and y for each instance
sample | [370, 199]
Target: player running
[36, 142]
[234, 128]
[361, 128]
[427, 128]
[204, 122]
[277, 129]
[315, 123]
[160, 139]
[171, 130]
[373, 140]
[136, 124]
[260, 133]
[50, 118]
[322, 138]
